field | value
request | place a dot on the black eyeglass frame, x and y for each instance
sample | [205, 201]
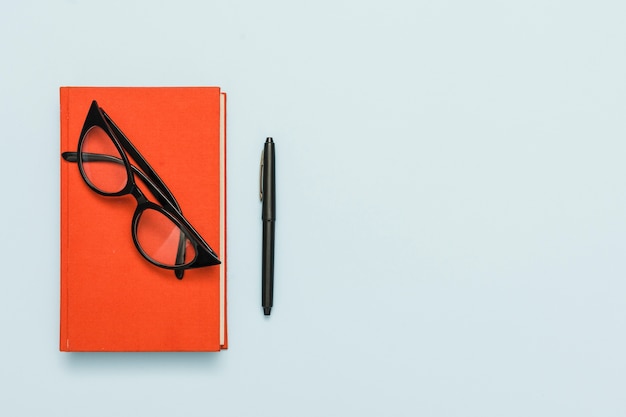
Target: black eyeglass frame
[169, 207]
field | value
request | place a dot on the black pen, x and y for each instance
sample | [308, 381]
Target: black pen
[268, 216]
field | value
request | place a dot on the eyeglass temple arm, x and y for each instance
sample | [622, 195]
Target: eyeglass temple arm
[140, 160]
[154, 189]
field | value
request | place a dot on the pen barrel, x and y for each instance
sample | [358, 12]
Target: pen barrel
[268, 216]
[268, 264]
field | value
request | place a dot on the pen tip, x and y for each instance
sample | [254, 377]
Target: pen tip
[269, 140]
[267, 310]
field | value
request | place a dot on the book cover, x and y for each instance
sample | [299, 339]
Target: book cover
[112, 298]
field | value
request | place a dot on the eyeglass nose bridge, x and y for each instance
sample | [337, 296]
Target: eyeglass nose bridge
[139, 196]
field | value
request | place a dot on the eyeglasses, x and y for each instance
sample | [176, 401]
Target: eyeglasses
[160, 232]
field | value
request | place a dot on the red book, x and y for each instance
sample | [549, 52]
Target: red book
[112, 298]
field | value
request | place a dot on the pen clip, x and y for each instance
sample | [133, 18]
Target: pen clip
[261, 176]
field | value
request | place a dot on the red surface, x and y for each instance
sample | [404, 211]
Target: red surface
[112, 299]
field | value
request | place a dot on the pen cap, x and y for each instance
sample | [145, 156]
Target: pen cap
[269, 181]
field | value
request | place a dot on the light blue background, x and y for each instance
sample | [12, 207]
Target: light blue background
[452, 204]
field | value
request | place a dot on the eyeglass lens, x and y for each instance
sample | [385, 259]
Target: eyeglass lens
[160, 239]
[106, 174]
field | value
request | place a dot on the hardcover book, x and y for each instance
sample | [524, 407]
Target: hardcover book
[143, 219]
